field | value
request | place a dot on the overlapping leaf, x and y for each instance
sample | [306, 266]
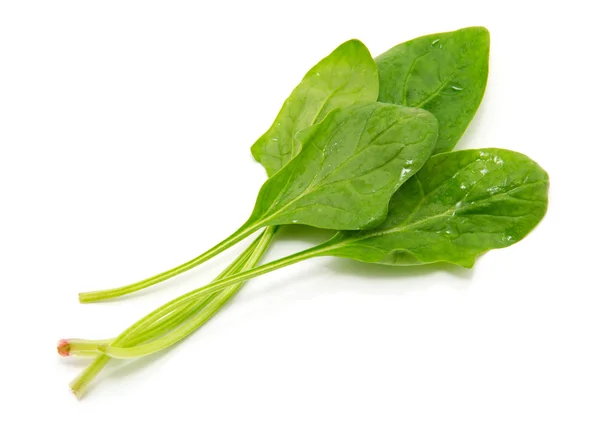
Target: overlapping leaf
[345, 77]
[350, 165]
[458, 206]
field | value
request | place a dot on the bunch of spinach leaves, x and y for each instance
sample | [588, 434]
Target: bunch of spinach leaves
[363, 147]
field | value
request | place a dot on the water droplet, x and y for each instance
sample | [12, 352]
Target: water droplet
[493, 189]
[275, 139]
[451, 231]
[484, 154]
[483, 171]
[295, 221]
[457, 88]
[498, 160]
[458, 204]
[404, 172]
[434, 42]
[409, 161]
[318, 74]
[463, 186]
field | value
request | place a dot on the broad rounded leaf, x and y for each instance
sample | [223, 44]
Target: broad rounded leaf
[458, 206]
[345, 77]
[445, 74]
[349, 166]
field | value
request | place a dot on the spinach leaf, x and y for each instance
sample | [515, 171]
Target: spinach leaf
[345, 77]
[349, 167]
[458, 206]
[445, 74]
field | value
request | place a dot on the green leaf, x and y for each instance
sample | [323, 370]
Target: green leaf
[349, 166]
[445, 74]
[458, 206]
[345, 77]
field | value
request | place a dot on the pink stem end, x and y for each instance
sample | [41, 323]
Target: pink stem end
[64, 348]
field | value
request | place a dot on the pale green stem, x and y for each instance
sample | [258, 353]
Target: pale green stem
[217, 285]
[180, 314]
[95, 296]
[80, 348]
[203, 315]
[79, 384]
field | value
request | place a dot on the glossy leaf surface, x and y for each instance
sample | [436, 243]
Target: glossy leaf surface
[458, 206]
[345, 77]
[349, 166]
[444, 73]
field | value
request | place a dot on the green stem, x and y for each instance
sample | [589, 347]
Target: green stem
[148, 325]
[175, 315]
[204, 314]
[317, 251]
[81, 382]
[95, 296]
[80, 348]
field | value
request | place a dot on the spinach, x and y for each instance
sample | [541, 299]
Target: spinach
[445, 74]
[351, 164]
[338, 160]
[347, 76]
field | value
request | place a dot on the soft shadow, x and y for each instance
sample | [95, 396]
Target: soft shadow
[375, 271]
[75, 361]
[121, 369]
[303, 233]
[466, 141]
[118, 370]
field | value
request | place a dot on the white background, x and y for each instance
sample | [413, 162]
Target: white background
[125, 130]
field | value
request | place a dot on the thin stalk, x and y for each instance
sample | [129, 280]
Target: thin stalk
[204, 314]
[95, 296]
[79, 347]
[177, 315]
[80, 383]
[217, 285]
[172, 318]
[90, 348]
